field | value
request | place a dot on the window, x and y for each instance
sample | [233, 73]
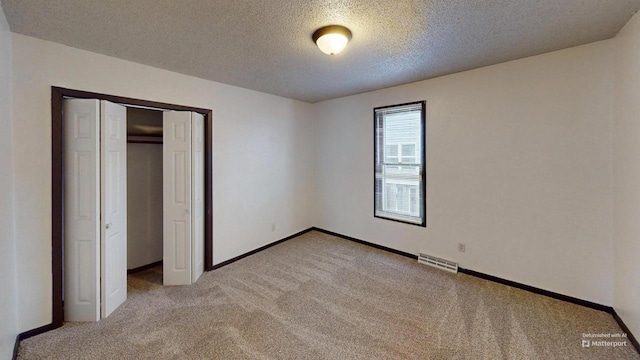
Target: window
[399, 153]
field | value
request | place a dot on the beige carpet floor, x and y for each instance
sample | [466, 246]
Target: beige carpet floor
[321, 297]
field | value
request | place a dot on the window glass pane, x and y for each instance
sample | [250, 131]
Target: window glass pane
[403, 198]
[409, 159]
[391, 154]
[390, 197]
[408, 150]
[413, 201]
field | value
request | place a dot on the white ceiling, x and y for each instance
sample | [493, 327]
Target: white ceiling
[266, 45]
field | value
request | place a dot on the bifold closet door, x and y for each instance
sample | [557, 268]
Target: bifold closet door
[82, 209]
[197, 202]
[183, 197]
[95, 183]
[113, 204]
[176, 153]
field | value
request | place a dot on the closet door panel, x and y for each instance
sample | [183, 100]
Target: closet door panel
[197, 182]
[82, 210]
[177, 199]
[113, 204]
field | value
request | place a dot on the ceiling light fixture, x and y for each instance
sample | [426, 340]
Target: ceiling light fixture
[331, 39]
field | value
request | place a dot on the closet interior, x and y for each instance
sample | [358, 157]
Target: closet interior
[144, 188]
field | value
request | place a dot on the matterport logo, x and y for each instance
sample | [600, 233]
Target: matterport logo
[604, 340]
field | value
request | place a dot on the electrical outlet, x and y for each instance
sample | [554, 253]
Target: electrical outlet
[273, 227]
[462, 247]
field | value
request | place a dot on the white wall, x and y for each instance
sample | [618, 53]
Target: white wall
[519, 167]
[262, 165]
[626, 155]
[8, 306]
[144, 204]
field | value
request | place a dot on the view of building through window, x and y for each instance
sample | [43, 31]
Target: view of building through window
[399, 164]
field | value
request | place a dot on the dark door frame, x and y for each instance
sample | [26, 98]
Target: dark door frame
[57, 184]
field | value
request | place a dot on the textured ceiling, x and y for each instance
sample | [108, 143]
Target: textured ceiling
[266, 45]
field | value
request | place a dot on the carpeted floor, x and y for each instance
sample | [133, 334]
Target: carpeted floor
[321, 297]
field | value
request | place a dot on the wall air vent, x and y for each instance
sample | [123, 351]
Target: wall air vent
[438, 263]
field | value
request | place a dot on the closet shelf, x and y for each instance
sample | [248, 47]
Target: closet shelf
[144, 134]
[142, 138]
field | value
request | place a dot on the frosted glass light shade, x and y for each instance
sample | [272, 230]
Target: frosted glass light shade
[332, 44]
[332, 39]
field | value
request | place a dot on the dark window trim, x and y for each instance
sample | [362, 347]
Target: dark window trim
[57, 183]
[424, 161]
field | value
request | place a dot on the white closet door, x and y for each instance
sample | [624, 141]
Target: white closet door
[197, 202]
[176, 154]
[82, 210]
[113, 206]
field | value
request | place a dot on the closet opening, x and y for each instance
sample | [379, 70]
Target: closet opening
[139, 128]
[144, 197]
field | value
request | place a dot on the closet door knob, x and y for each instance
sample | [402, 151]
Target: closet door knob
[108, 226]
